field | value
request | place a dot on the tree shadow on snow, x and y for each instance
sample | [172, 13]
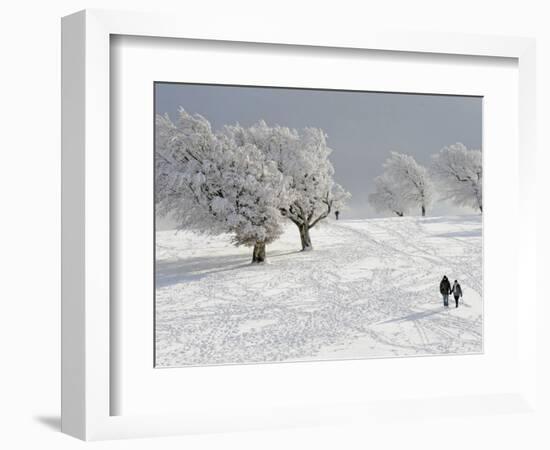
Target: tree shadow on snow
[168, 273]
[193, 269]
[460, 234]
[278, 255]
[415, 316]
[466, 219]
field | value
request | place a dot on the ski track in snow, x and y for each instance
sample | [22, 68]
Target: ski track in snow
[369, 289]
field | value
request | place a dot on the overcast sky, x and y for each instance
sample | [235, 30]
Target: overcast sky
[362, 127]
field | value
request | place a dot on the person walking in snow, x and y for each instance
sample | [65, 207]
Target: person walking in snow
[456, 291]
[336, 213]
[445, 289]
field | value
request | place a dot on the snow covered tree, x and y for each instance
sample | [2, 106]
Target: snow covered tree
[388, 196]
[413, 180]
[302, 157]
[405, 184]
[212, 184]
[460, 175]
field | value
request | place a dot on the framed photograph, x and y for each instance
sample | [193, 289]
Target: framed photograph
[263, 229]
[328, 237]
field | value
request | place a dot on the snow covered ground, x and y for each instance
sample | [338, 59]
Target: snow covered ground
[369, 289]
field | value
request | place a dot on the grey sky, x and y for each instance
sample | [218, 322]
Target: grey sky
[362, 127]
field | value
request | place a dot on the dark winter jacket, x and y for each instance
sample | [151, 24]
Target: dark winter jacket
[456, 290]
[445, 286]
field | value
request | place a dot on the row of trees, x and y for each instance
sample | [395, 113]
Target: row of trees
[244, 180]
[406, 185]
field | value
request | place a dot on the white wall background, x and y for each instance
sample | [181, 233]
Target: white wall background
[29, 229]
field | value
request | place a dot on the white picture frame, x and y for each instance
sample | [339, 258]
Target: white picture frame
[86, 284]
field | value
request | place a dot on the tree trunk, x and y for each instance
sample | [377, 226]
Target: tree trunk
[423, 211]
[258, 254]
[305, 238]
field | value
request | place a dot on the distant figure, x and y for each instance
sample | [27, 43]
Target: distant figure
[445, 289]
[336, 213]
[457, 291]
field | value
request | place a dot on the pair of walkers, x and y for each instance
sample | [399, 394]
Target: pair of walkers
[446, 289]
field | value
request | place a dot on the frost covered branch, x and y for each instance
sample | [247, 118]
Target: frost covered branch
[404, 185]
[459, 175]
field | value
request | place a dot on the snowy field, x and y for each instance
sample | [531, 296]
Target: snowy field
[369, 289]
